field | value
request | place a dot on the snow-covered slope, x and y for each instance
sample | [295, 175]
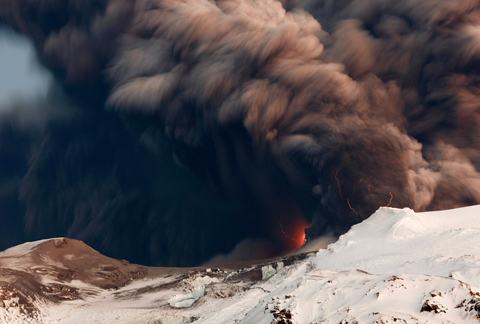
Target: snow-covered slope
[396, 267]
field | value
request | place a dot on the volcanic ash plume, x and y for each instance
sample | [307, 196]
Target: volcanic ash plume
[290, 112]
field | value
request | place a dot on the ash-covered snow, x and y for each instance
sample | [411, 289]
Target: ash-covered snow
[398, 266]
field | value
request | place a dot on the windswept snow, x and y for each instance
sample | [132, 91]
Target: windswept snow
[398, 266]
[402, 241]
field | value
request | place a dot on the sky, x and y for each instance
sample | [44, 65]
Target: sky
[21, 77]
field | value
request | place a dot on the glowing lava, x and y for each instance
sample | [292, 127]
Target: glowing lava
[293, 232]
[285, 225]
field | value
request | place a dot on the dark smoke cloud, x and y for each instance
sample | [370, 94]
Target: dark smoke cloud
[276, 113]
[111, 183]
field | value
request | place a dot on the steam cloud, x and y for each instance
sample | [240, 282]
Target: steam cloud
[202, 123]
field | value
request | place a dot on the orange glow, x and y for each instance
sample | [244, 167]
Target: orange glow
[293, 232]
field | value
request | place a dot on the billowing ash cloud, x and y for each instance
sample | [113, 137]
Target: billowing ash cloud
[277, 113]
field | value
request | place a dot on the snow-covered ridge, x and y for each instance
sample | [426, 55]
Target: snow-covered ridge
[398, 266]
[402, 241]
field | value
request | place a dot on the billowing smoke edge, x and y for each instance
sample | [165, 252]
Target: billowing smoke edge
[293, 114]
